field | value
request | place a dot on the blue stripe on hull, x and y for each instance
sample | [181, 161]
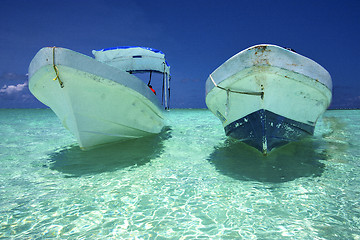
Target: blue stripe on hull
[266, 130]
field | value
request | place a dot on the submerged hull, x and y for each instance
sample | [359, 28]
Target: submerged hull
[266, 130]
[98, 103]
[267, 96]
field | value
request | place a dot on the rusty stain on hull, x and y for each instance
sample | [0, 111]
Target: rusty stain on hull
[261, 57]
[261, 49]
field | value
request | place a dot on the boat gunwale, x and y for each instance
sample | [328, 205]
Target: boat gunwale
[223, 72]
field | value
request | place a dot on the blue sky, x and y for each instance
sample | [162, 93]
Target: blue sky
[196, 36]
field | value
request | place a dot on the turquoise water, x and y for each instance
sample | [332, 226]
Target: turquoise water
[189, 182]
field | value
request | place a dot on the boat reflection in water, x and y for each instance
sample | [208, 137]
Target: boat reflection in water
[242, 162]
[74, 162]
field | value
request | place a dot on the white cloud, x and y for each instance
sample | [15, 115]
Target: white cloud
[13, 89]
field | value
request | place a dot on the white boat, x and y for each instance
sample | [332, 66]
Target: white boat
[100, 100]
[268, 96]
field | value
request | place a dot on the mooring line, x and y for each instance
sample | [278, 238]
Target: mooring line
[240, 92]
[56, 70]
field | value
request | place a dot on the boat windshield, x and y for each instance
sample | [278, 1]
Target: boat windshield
[145, 63]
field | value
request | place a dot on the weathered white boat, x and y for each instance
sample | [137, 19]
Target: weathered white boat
[268, 96]
[100, 100]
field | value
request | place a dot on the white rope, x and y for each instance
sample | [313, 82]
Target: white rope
[228, 89]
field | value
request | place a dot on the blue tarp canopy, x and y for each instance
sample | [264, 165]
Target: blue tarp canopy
[126, 47]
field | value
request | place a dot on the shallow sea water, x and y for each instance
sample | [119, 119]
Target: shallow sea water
[189, 182]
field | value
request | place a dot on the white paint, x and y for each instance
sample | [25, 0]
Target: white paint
[99, 103]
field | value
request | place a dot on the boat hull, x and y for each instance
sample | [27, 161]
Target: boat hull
[265, 130]
[99, 104]
[267, 96]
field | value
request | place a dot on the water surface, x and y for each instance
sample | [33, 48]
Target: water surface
[189, 182]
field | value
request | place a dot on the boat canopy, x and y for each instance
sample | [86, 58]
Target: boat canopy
[134, 59]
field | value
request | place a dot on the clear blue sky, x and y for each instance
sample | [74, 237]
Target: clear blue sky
[196, 36]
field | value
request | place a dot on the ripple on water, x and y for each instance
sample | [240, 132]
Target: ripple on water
[186, 183]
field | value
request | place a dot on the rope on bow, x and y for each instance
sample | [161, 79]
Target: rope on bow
[240, 92]
[56, 70]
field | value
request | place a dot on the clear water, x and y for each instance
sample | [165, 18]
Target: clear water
[189, 182]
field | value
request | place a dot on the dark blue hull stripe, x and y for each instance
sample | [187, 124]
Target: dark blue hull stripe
[266, 130]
